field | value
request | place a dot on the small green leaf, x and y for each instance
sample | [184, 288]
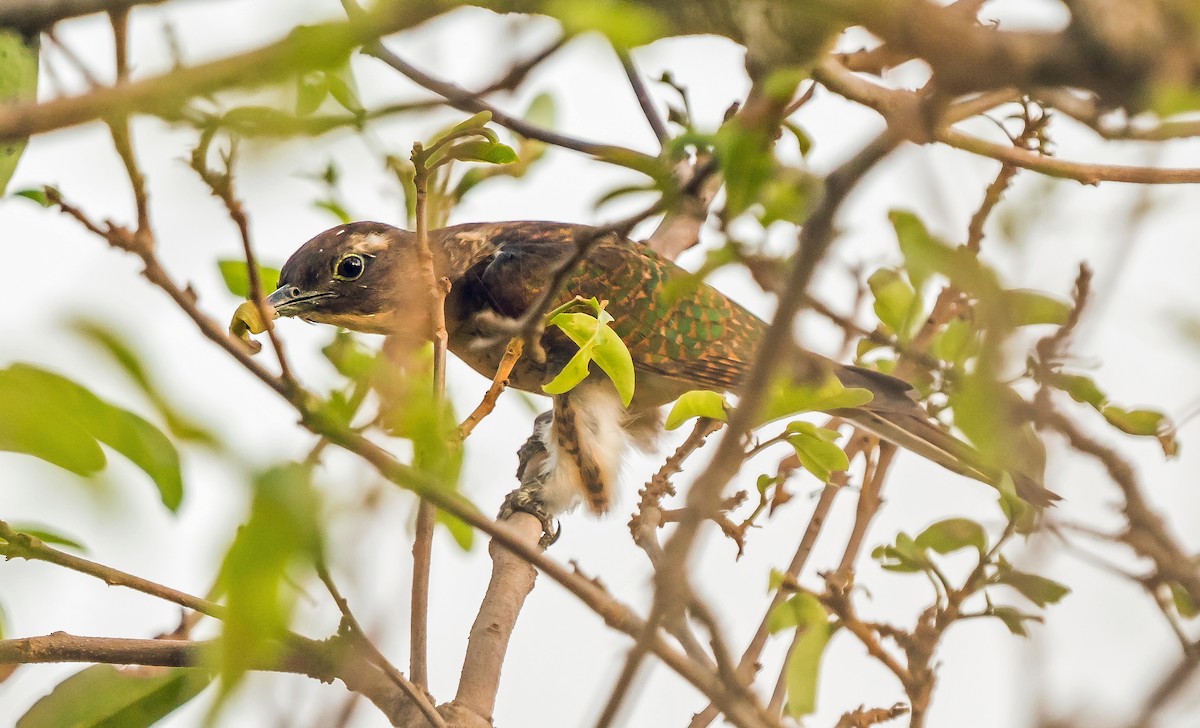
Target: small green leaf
[334, 208]
[956, 342]
[480, 150]
[625, 24]
[1081, 389]
[816, 449]
[344, 88]
[925, 255]
[597, 342]
[1135, 422]
[350, 357]
[103, 696]
[746, 159]
[787, 398]
[38, 195]
[1028, 308]
[1037, 589]
[1183, 602]
[806, 614]
[896, 303]
[462, 534]
[1014, 619]
[953, 534]
[903, 556]
[697, 403]
[479, 120]
[237, 277]
[311, 90]
[45, 535]
[18, 82]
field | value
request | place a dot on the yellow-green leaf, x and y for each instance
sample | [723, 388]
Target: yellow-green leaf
[104, 696]
[788, 398]
[1027, 308]
[953, 534]
[18, 82]
[697, 403]
[237, 277]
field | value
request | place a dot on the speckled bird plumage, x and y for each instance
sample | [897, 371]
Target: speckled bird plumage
[681, 334]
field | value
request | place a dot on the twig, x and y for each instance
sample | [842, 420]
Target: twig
[869, 501]
[414, 692]
[499, 381]
[657, 125]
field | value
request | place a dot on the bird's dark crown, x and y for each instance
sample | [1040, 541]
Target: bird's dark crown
[352, 275]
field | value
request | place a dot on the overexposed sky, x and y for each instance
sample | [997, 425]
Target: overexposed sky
[1095, 657]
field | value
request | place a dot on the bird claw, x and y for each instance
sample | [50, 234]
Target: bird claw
[529, 499]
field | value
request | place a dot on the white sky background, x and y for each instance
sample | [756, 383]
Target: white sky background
[1096, 655]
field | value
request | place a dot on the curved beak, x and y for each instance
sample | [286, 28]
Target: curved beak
[291, 300]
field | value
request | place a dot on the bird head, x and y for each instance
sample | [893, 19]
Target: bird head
[363, 276]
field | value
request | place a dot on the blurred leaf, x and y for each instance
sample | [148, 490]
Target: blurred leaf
[311, 90]
[462, 533]
[431, 425]
[45, 535]
[334, 208]
[541, 111]
[599, 343]
[804, 612]
[747, 163]
[697, 403]
[956, 342]
[817, 450]
[925, 255]
[802, 138]
[903, 556]
[237, 278]
[1028, 308]
[786, 398]
[18, 82]
[1014, 619]
[350, 357]
[1183, 602]
[44, 429]
[281, 533]
[1146, 423]
[1037, 589]
[103, 696]
[896, 303]
[344, 88]
[1081, 389]
[121, 351]
[953, 534]
[625, 24]
[785, 196]
[127, 433]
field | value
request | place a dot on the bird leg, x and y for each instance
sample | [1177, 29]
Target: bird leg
[530, 496]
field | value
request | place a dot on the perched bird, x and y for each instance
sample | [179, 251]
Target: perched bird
[366, 276]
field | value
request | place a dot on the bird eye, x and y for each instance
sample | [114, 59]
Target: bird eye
[349, 267]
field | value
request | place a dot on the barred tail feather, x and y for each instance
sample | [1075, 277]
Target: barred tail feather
[585, 441]
[927, 440]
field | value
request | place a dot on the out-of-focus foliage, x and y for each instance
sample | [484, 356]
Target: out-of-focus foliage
[18, 82]
[105, 696]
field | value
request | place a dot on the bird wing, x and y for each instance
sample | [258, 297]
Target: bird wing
[672, 324]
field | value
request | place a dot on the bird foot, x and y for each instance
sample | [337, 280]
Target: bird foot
[529, 498]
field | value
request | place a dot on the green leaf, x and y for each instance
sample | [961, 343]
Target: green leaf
[480, 150]
[956, 342]
[816, 449]
[787, 398]
[1081, 389]
[1183, 602]
[311, 90]
[334, 208]
[344, 88]
[462, 533]
[350, 357]
[1146, 423]
[38, 195]
[625, 24]
[953, 534]
[1028, 308]
[479, 120]
[117, 348]
[925, 255]
[804, 612]
[237, 277]
[70, 406]
[896, 303]
[31, 424]
[697, 403]
[18, 82]
[1014, 619]
[905, 555]
[747, 162]
[599, 343]
[1037, 589]
[103, 696]
[45, 535]
[281, 533]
